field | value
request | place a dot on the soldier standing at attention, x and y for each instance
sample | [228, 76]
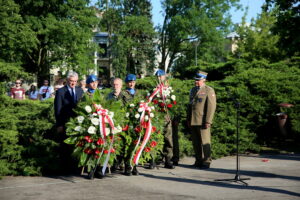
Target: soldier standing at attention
[168, 139]
[202, 107]
[92, 84]
[130, 91]
[129, 94]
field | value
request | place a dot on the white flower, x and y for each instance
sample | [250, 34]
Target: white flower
[140, 110]
[146, 117]
[127, 115]
[148, 94]
[170, 88]
[142, 101]
[158, 95]
[92, 130]
[152, 107]
[131, 105]
[117, 129]
[95, 121]
[173, 97]
[80, 119]
[88, 109]
[111, 114]
[78, 128]
[107, 130]
[137, 115]
[151, 115]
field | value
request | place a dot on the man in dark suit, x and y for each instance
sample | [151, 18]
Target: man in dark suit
[65, 101]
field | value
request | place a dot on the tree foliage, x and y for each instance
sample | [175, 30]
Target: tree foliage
[204, 21]
[287, 25]
[258, 41]
[52, 33]
[131, 35]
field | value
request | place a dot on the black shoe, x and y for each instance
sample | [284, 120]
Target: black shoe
[197, 164]
[97, 174]
[128, 171]
[151, 166]
[169, 165]
[135, 171]
[204, 167]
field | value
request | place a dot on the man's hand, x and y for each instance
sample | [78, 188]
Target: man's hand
[60, 129]
[188, 123]
[207, 125]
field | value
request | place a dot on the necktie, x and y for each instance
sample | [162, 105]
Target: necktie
[73, 95]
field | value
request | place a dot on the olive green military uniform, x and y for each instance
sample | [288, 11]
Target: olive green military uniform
[127, 97]
[112, 96]
[202, 109]
[168, 141]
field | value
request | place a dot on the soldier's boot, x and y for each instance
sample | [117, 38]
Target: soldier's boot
[169, 164]
[152, 164]
[135, 171]
[128, 170]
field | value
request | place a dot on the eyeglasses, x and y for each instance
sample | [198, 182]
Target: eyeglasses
[18, 83]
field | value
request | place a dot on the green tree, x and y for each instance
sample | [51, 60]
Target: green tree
[257, 41]
[201, 20]
[63, 30]
[16, 37]
[131, 30]
[287, 25]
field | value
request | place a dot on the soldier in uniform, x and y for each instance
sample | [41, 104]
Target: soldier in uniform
[202, 107]
[129, 94]
[92, 84]
[168, 140]
[130, 91]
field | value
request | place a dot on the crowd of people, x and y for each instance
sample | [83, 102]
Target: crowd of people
[201, 110]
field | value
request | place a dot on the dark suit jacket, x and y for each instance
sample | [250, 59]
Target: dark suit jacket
[64, 104]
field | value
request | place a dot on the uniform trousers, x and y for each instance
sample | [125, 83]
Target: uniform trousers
[202, 145]
[168, 141]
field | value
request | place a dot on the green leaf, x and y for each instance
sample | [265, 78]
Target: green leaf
[83, 159]
[70, 140]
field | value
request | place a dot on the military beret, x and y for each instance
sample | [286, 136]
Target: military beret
[160, 72]
[91, 78]
[200, 76]
[130, 77]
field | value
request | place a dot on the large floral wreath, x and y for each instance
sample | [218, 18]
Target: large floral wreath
[95, 131]
[143, 132]
[163, 98]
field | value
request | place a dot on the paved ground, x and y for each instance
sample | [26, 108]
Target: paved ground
[272, 177]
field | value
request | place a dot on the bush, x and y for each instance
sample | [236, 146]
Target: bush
[28, 144]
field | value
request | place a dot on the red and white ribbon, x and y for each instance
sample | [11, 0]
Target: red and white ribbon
[145, 140]
[143, 124]
[103, 115]
[159, 89]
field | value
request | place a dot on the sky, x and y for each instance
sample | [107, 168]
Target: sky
[254, 9]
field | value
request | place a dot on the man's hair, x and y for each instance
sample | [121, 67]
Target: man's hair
[118, 79]
[72, 74]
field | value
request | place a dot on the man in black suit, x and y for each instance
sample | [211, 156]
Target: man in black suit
[65, 101]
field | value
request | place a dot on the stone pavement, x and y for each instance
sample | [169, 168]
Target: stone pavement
[272, 177]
